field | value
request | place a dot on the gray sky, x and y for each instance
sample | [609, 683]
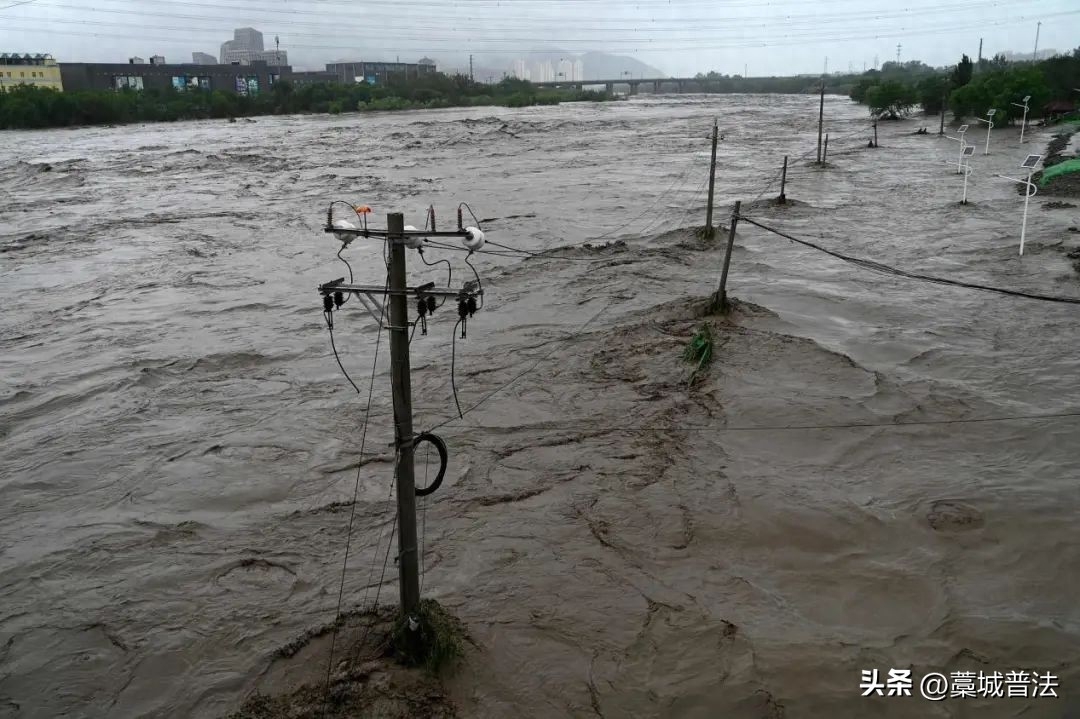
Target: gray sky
[681, 37]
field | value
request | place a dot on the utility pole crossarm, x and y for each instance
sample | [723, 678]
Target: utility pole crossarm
[385, 233]
[422, 290]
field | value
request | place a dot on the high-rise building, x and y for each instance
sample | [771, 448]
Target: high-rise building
[249, 37]
[521, 70]
[566, 70]
[545, 72]
[579, 70]
[246, 47]
[203, 58]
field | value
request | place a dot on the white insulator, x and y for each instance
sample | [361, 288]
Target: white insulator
[415, 242]
[474, 239]
[344, 236]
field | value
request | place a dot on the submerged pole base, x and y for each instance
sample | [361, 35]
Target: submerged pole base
[718, 303]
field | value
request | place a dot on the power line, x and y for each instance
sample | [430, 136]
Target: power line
[794, 427]
[558, 343]
[775, 178]
[634, 45]
[887, 269]
[17, 4]
[493, 23]
[356, 487]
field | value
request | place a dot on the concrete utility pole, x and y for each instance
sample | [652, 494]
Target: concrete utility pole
[783, 184]
[397, 295]
[1035, 55]
[403, 429]
[471, 78]
[821, 121]
[712, 182]
[720, 298]
[979, 61]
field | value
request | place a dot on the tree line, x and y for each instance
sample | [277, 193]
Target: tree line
[971, 89]
[29, 107]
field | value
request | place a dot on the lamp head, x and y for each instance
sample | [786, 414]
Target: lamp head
[344, 237]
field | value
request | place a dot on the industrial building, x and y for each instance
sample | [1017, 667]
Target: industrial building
[244, 74]
[234, 79]
[310, 77]
[379, 73]
[40, 70]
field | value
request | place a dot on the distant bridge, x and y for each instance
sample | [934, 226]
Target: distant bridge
[658, 85]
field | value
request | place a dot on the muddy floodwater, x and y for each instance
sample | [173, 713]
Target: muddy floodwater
[177, 441]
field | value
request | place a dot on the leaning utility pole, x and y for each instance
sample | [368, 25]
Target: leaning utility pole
[720, 298]
[712, 182]
[403, 429]
[821, 121]
[471, 78]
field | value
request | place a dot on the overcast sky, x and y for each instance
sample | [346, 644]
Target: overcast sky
[681, 37]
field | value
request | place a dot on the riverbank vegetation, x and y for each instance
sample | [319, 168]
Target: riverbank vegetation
[970, 89]
[27, 107]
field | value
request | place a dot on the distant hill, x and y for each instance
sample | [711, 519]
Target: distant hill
[601, 66]
[598, 65]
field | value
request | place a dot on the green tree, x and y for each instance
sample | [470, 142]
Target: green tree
[963, 72]
[999, 90]
[891, 100]
[933, 92]
[861, 88]
[1061, 74]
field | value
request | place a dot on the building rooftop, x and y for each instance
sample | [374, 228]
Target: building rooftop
[14, 58]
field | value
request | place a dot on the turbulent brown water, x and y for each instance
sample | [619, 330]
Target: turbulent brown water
[177, 438]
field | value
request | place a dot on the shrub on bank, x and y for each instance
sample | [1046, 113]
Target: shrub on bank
[29, 107]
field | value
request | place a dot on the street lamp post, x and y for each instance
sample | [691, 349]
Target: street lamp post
[1023, 125]
[1029, 192]
[963, 145]
[989, 120]
[967, 152]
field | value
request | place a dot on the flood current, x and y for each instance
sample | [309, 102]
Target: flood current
[178, 445]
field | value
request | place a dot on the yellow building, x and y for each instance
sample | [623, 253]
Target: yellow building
[40, 70]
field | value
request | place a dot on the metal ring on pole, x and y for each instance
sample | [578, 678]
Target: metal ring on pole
[440, 447]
